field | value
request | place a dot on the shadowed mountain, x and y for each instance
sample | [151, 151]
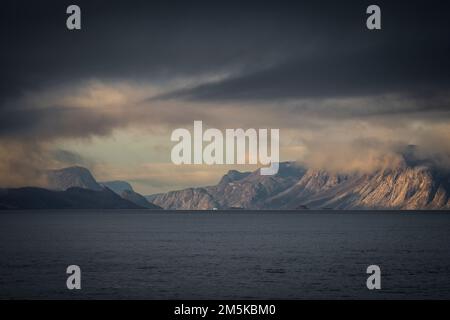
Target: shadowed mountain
[117, 186]
[80, 177]
[72, 198]
[138, 199]
[125, 190]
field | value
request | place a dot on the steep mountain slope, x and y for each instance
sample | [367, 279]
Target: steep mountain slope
[413, 184]
[138, 199]
[187, 199]
[405, 187]
[235, 190]
[117, 186]
[251, 191]
[80, 177]
[313, 182]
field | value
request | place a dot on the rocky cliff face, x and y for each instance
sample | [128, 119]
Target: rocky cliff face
[72, 177]
[311, 184]
[419, 187]
[247, 190]
[409, 186]
[252, 189]
[187, 199]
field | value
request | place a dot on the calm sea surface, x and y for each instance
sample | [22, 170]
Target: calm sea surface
[141, 255]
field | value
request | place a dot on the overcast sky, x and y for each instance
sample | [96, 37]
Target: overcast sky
[109, 95]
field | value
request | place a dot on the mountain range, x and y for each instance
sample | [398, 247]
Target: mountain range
[411, 185]
[74, 188]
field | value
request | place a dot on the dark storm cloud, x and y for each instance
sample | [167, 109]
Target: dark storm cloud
[138, 39]
[370, 71]
[70, 158]
[269, 51]
[57, 122]
[278, 48]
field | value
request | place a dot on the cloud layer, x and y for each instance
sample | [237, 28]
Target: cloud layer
[343, 97]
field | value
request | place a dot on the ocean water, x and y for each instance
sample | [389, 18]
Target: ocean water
[236, 255]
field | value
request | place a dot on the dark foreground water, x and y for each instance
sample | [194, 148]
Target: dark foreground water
[131, 254]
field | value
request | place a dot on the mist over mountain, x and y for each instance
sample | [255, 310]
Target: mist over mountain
[412, 184]
[63, 179]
